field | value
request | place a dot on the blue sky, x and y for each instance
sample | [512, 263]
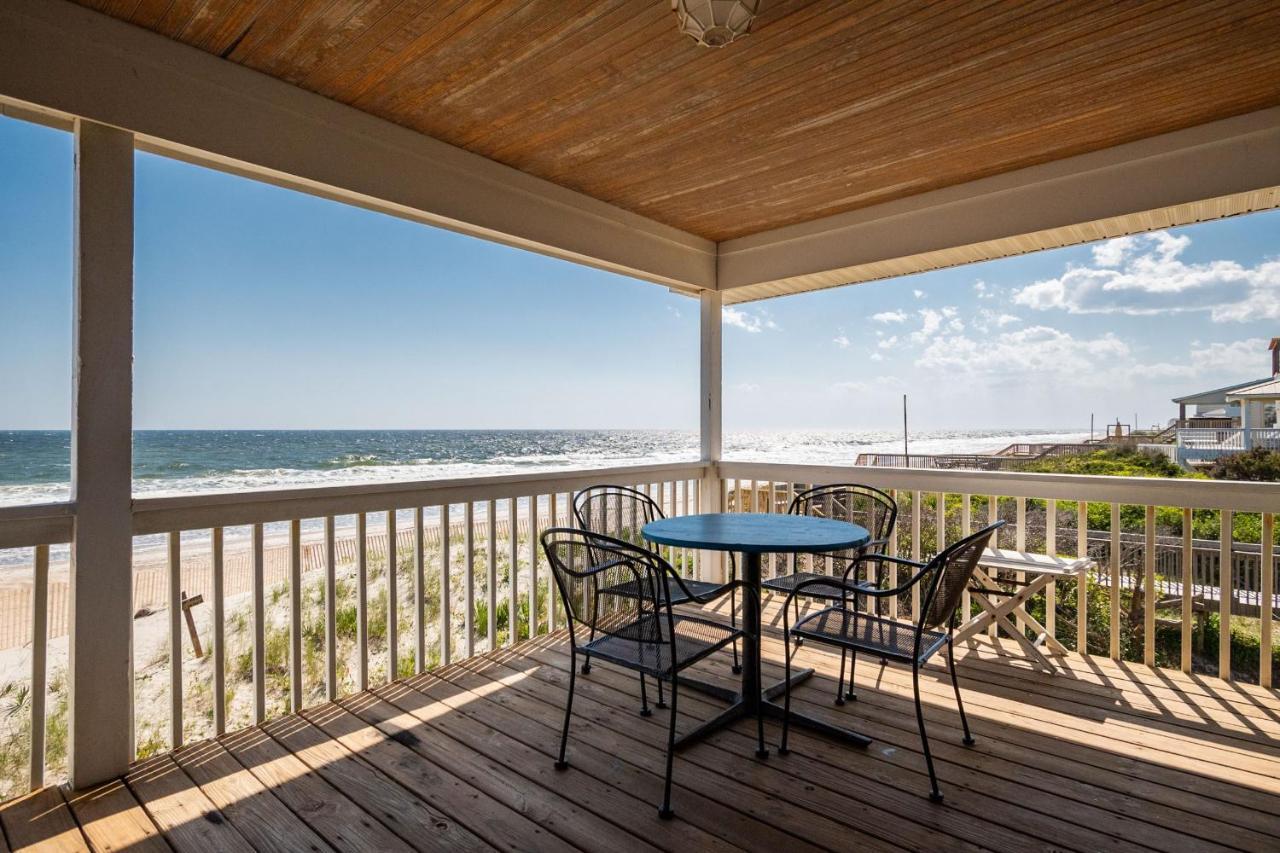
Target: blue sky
[258, 307]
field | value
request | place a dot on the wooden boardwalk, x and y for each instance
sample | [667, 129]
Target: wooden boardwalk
[1104, 756]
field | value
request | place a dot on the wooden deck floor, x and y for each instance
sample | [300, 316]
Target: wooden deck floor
[1103, 756]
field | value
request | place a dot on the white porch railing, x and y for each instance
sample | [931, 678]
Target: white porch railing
[361, 570]
[1205, 445]
[292, 552]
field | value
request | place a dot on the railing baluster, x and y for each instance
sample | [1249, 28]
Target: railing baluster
[469, 579]
[1226, 594]
[1082, 580]
[917, 510]
[533, 566]
[219, 636]
[1020, 544]
[330, 610]
[295, 615]
[966, 527]
[175, 639]
[993, 513]
[513, 586]
[362, 600]
[1149, 590]
[1267, 566]
[491, 591]
[1116, 580]
[39, 661]
[393, 598]
[259, 630]
[419, 592]
[552, 516]
[446, 595]
[1051, 548]
[1188, 587]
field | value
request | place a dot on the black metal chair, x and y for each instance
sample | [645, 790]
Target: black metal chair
[852, 502]
[942, 580]
[641, 632]
[621, 512]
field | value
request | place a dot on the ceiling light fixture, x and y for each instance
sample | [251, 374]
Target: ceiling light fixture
[715, 23]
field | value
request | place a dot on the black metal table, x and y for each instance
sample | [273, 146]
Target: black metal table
[753, 534]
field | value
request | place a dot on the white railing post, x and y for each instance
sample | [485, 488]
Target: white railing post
[101, 644]
[710, 418]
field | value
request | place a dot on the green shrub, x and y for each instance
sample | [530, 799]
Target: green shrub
[1258, 465]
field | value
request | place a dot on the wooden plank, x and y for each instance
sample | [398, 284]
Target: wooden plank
[1267, 594]
[39, 662]
[572, 823]
[187, 817]
[41, 821]
[258, 592]
[295, 615]
[609, 786]
[316, 802]
[219, 632]
[112, 819]
[513, 583]
[1149, 589]
[491, 576]
[252, 809]
[1113, 593]
[446, 594]
[1188, 557]
[409, 814]
[330, 611]
[419, 593]
[469, 579]
[393, 600]
[175, 639]
[1226, 593]
[417, 770]
[362, 601]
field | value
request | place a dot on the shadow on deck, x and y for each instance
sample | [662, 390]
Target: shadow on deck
[1100, 756]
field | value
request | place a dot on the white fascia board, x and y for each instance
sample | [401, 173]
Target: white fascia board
[61, 58]
[1204, 172]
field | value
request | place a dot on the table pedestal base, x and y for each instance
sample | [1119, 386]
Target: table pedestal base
[743, 708]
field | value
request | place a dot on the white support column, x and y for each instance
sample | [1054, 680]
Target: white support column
[710, 420]
[101, 651]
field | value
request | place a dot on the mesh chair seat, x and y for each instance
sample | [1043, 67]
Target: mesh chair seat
[786, 583]
[676, 595]
[645, 644]
[864, 632]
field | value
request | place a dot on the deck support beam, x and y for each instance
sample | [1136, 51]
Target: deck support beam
[101, 650]
[710, 418]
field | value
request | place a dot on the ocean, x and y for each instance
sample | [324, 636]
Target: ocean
[35, 465]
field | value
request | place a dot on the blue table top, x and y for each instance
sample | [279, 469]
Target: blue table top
[756, 532]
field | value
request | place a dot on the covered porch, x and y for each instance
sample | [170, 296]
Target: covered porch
[923, 136]
[1105, 756]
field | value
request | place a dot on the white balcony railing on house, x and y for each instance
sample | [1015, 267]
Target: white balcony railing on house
[1206, 445]
[307, 553]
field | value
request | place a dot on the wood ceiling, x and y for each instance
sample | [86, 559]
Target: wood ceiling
[828, 106]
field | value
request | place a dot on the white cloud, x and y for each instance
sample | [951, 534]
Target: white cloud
[746, 387]
[841, 341]
[918, 294]
[746, 321]
[890, 317]
[931, 322]
[987, 320]
[1145, 275]
[888, 343]
[875, 356]
[983, 290]
[1038, 350]
[1238, 361]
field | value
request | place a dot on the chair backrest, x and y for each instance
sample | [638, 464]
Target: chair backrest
[866, 506]
[945, 578]
[585, 565]
[616, 511]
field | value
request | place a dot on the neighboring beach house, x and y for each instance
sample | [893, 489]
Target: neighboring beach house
[1232, 419]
